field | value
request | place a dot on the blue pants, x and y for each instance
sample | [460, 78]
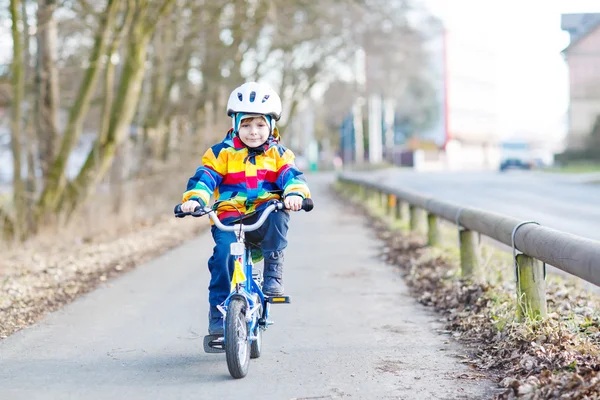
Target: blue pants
[271, 237]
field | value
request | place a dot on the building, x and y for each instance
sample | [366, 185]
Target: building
[583, 60]
[460, 131]
[464, 59]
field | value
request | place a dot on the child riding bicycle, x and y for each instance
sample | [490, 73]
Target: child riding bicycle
[243, 173]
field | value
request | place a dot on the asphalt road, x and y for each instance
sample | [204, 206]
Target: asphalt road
[351, 331]
[558, 201]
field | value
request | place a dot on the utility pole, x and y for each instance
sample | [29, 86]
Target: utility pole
[375, 125]
[389, 118]
[359, 149]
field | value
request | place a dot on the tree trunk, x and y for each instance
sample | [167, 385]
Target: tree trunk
[47, 85]
[116, 180]
[30, 139]
[169, 70]
[56, 181]
[16, 120]
[158, 91]
[102, 153]
[109, 75]
[168, 132]
[122, 112]
[296, 93]
[209, 123]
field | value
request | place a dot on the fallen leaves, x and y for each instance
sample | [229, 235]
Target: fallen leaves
[556, 358]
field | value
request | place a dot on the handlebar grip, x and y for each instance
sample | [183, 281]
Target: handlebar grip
[198, 211]
[177, 211]
[307, 205]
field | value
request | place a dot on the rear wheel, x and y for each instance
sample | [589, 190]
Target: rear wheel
[237, 345]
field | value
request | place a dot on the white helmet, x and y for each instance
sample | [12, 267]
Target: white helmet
[254, 98]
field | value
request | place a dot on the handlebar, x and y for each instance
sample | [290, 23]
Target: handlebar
[307, 205]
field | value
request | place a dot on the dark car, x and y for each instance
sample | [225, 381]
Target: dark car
[515, 163]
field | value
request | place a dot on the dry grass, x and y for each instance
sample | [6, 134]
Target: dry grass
[122, 227]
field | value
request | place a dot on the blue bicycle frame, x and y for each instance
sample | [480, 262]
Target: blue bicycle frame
[246, 298]
[244, 285]
[242, 282]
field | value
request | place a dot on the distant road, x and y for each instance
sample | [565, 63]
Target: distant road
[554, 200]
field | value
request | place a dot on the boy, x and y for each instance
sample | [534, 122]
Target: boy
[243, 172]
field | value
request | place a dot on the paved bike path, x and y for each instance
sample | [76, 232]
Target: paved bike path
[351, 331]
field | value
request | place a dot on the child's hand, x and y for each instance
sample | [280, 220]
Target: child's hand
[189, 206]
[293, 202]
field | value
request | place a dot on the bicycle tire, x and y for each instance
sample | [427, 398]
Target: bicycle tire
[237, 345]
[256, 345]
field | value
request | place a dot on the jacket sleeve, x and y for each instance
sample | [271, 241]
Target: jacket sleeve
[289, 178]
[207, 178]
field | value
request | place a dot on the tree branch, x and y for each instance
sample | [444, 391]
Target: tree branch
[150, 24]
[56, 179]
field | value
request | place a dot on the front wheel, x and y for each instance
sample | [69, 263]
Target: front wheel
[237, 345]
[256, 346]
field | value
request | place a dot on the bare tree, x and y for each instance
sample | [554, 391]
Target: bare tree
[47, 84]
[165, 68]
[56, 181]
[125, 103]
[30, 99]
[18, 87]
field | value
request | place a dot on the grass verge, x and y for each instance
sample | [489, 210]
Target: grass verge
[575, 168]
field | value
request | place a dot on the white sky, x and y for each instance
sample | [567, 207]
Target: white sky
[531, 73]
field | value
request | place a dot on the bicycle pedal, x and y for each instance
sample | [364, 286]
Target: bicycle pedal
[279, 299]
[214, 344]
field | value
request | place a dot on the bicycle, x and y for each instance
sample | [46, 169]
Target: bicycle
[246, 309]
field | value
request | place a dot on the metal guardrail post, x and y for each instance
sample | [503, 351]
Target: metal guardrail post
[364, 194]
[348, 190]
[345, 190]
[398, 209]
[433, 231]
[469, 254]
[414, 217]
[531, 288]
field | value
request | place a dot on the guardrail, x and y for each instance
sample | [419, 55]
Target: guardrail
[533, 245]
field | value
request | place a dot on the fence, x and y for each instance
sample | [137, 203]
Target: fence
[533, 245]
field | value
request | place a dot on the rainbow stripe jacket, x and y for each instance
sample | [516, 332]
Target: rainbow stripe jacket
[243, 180]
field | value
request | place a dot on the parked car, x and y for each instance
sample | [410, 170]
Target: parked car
[515, 155]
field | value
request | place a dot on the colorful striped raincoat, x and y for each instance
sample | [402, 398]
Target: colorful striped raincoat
[244, 179]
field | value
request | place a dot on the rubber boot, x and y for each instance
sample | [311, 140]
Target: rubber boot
[273, 274]
[215, 321]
